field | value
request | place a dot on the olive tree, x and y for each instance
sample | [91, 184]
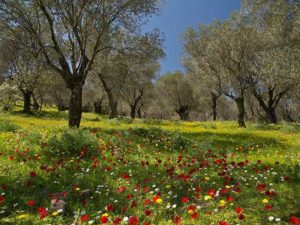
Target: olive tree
[176, 88]
[71, 34]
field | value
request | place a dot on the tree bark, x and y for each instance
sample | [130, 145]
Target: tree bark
[214, 98]
[139, 112]
[132, 111]
[75, 108]
[271, 115]
[27, 102]
[271, 105]
[36, 105]
[113, 109]
[98, 106]
[240, 102]
[112, 103]
[183, 112]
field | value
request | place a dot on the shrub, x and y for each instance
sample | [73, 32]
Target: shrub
[180, 142]
[73, 143]
[32, 137]
[8, 126]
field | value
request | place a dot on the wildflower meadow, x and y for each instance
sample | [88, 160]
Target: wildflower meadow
[145, 172]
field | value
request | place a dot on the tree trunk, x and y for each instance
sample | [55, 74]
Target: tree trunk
[98, 106]
[113, 109]
[27, 102]
[241, 111]
[271, 115]
[214, 106]
[139, 112]
[132, 111]
[61, 106]
[75, 108]
[112, 103]
[271, 105]
[183, 112]
[36, 105]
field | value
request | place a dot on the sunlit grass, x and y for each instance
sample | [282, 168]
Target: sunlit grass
[277, 146]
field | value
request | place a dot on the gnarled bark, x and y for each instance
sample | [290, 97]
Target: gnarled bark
[75, 109]
[183, 112]
[27, 101]
[269, 106]
[240, 102]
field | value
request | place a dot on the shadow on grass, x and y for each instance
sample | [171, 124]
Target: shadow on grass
[44, 114]
[212, 139]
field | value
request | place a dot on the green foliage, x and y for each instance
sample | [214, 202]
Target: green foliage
[8, 126]
[73, 142]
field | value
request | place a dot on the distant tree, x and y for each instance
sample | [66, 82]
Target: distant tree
[120, 68]
[176, 88]
[224, 52]
[24, 70]
[138, 84]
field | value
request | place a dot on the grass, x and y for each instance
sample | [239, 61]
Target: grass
[138, 160]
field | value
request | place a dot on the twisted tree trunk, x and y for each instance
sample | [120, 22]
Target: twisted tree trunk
[27, 101]
[75, 109]
[240, 102]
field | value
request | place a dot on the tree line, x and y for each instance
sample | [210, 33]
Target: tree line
[92, 55]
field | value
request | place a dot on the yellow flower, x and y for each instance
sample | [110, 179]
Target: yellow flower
[105, 215]
[227, 186]
[222, 203]
[207, 178]
[207, 197]
[265, 201]
[55, 213]
[77, 189]
[190, 211]
[168, 186]
[23, 216]
[159, 201]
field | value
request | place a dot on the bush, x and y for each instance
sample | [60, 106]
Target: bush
[73, 143]
[180, 142]
[8, 126]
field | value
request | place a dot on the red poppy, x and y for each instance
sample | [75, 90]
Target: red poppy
[223, 223]
[195, 215]
[33, 174]
[211, 192]
[147, 202]
[261, 187]
[230, 198]
[121, 189]
[2, 199]
[117, 221]
[31, 203]
[110, 207]
[133, 220]
[148, 212]
[241, 216]
[84, 218]
[268, 207]
[191, 207]
[294, 220]
[238, 210]
[42, 212]
[104, 219]
[185, 200]
[177, 220]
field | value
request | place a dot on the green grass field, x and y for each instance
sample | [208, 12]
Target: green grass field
[146, 171]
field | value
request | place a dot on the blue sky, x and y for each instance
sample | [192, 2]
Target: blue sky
[177, 15]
